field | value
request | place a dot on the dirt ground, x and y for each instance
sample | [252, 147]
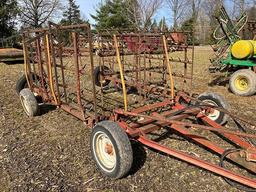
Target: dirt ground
[51, 152]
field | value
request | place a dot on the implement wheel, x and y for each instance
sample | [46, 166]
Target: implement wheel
[217, 100]
[111, 149]
[29, 102]
[99, 76]
[21, 84]
[243, 82]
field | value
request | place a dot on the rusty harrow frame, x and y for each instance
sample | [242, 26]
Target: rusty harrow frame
[60, 68]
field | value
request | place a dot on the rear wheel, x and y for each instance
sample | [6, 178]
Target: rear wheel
[29, 102]
[99, 76]
[129, 89]
[111, 149]
[217, 100]
[21, 84]
[243, 82]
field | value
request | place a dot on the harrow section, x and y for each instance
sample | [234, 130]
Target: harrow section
[131, 90]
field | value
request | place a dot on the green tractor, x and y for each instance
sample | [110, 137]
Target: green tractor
[234, 56]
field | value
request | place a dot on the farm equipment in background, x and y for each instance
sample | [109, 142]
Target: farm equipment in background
[10, 49]
[173, 37]
[251, 28]
[128, 95]
[235, 56]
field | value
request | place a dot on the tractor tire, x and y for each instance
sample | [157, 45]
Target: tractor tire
[243, 82]
[98, 76]
[216, 100]
[111, 149]
[21, 84]
[29, 102]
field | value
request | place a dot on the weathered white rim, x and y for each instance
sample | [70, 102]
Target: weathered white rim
[214, 114]
[25, 105]
[104, 151]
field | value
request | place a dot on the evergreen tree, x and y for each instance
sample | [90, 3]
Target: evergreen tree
[188, 26]
[148, 25]
[72, 15]
[112, 14]
[162, 25]
[154, 27]
[8, 13]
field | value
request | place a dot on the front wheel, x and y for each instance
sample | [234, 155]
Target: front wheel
[243, 82]
[111, 149]
[29, 102]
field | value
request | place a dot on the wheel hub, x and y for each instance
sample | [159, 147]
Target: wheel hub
[105, 151]
[109, 149]
[102, 79]
[213, 114]
[242, 83]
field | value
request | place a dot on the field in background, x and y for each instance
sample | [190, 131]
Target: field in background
[51, 152]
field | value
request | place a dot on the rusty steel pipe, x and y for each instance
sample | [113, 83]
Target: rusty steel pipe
[159, 118]
[198, 162]
[77, 71]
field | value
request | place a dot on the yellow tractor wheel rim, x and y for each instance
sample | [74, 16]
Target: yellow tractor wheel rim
[242, 83]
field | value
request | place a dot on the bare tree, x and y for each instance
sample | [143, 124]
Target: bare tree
[210, 7]
[34, 13]
[142, 11]
[179, 9]
[240, 6]
[195, 6]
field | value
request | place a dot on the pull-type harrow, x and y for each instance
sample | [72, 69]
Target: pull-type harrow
[130, 95]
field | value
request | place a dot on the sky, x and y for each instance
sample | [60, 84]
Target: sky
[88, 7]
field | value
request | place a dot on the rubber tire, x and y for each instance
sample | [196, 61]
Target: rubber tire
[122, 146]
[220, 101]
[21, 84]
[250, 75]
[97, 72]
[32, 106]
[129, 90]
